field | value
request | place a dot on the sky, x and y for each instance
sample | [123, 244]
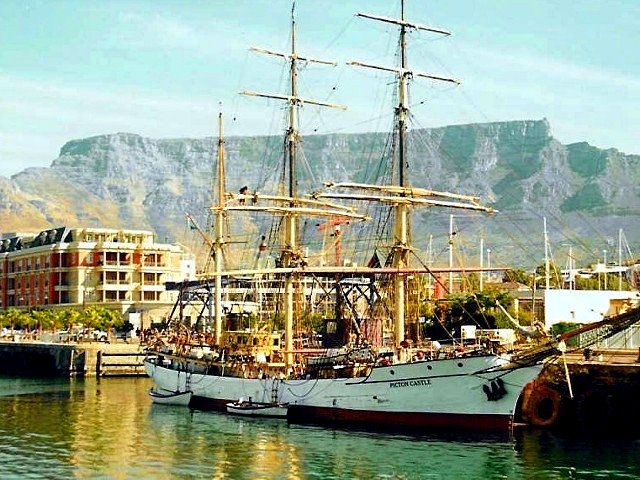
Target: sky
[71, 69]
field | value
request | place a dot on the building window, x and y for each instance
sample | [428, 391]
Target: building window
[149, 279]
[111, 258]
[150, 296]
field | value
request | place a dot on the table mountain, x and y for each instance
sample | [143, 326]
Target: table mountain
[124, 180]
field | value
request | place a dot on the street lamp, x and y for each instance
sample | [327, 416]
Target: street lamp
[604, 256]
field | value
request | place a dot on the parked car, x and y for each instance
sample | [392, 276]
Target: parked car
[62, 336]
[100, 336]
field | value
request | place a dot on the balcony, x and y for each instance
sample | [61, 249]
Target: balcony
[153, 288]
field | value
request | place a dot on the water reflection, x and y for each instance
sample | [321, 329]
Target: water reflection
[110, 429]
[563, 456]
[224, 447]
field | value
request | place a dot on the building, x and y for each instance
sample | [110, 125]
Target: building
[77, 267]
[583, 306]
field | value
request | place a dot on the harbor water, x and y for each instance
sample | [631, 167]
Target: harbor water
[108, 428]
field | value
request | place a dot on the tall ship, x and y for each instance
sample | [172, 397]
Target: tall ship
[393, 382]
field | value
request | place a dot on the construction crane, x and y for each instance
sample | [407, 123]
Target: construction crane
[334, 225]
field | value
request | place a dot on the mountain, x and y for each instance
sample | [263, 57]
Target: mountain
[124, 180]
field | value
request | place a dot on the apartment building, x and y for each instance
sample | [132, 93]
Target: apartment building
[122, 269]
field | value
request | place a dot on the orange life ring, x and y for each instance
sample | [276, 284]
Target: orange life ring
[419, 354]
[544, 408]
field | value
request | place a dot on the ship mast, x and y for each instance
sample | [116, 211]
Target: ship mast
[290, 255]
[400, 249]
[219, 232]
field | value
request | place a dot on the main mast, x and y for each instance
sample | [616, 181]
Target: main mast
[291, 256]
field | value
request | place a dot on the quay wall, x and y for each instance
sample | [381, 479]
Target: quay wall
[39, 359]
[600, 393]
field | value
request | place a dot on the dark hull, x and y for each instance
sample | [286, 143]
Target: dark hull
[383, 420]
[399, 420]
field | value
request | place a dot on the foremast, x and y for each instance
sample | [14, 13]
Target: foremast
[219, 232]
[400, 195]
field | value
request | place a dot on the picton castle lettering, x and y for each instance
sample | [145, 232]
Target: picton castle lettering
[410, 383]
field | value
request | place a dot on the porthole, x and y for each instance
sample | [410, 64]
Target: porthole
[429, 367]
[392, 372]
[460, 364]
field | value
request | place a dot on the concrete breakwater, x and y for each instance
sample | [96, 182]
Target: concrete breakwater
[41, 359]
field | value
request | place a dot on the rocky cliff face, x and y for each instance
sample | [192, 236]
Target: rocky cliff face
[128, 181]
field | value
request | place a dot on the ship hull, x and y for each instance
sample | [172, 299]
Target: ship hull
[473, 393]
[400, 420]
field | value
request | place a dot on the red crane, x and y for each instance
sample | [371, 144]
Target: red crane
[334, 223]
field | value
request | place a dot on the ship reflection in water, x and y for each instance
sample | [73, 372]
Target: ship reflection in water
[110, 429]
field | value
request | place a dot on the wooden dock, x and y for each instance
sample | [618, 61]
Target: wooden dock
[125, 363]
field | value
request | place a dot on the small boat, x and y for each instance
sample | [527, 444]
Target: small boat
[170, 398]
[258, 409]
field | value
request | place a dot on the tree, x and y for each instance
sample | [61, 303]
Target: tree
[70, 317]
[12, 318]
[517, 275]
[555, 277]
[44, 319]
[563, 327]
[111, 320]
[92, 317]
[16, 318]
[471, 282]
[478, 309]
[596, 282]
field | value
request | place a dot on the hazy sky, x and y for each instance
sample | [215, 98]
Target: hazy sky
[73, 69]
